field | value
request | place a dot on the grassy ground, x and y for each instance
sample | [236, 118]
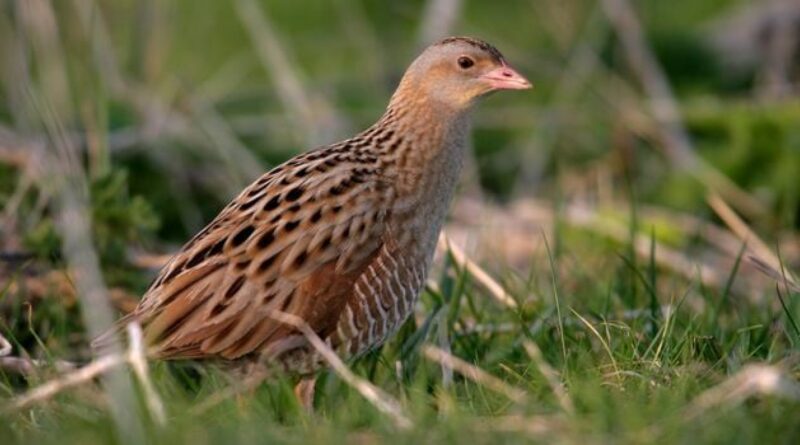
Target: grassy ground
[632, 375]
[638, 315]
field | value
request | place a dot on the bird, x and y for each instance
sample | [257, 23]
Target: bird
[341, 236]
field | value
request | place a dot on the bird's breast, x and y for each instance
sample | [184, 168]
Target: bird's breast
[425, 192]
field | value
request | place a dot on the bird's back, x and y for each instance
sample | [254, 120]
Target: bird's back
[337, 236]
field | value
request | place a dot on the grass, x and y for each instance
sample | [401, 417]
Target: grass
[638, 317]
[632, 377]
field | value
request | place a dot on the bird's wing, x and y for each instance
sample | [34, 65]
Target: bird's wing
[295, 241]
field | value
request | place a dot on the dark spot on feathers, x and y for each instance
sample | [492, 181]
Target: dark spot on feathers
[242, 265]
[325, 243]
[198, 257]
[336, 209]
[300, 259]
[291, 225]
[255, 191]
[216, 249]
[273, 203]
[316, 215]
[302, 172]
[294, 209]
[180, 266]
[266, 239]
[174, 273]
[249, 204]
[385, 137]
[267, 263]
[223, 333]
[287, 301]
[242, 236]
[294, 194]
[237, 284]
[218, 308]
[336, 190]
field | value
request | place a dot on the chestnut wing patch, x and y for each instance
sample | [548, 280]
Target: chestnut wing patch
[295, 241]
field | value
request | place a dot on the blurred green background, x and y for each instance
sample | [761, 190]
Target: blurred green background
[155, 113]
[181, 94]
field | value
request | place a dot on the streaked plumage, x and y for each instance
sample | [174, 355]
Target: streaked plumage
[341, 236]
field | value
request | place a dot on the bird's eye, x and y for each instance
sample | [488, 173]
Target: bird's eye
[465, 62]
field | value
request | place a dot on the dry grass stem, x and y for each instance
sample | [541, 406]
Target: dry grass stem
[27, 366]
[550, 375]
[752, 380]
[486, 280]
[24, 365]
[80, 376]
[527, 216]
[137, 357]
[384, 402]
[603, 342]
[473, 373]
[5, 346]
[776, 275]
[743, 231]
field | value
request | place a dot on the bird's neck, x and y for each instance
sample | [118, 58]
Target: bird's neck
[430, 143]
[422, 150]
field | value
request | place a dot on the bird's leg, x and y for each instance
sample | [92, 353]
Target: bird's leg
[304, 391]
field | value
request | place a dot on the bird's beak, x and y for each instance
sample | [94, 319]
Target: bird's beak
[505, 78]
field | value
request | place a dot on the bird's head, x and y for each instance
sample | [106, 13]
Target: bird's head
[458, 70]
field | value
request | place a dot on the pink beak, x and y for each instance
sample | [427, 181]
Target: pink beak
[506, 78]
